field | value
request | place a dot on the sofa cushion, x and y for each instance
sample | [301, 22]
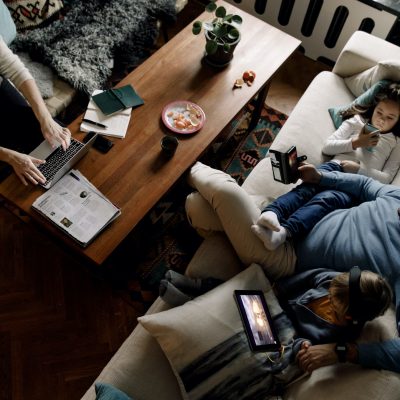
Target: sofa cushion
[205, 342]
[361, 82]
[7, 27]
[366, 99]
[28, 14]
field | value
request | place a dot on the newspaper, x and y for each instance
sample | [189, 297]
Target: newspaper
[77, 207]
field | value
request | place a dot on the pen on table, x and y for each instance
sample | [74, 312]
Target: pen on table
[88, 121]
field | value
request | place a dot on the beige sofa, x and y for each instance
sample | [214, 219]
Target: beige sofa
[140, 369]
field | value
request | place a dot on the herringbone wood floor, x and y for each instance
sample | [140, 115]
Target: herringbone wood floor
[59, 324]
[60, 320]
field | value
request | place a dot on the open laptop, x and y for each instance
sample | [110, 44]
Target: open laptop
[58, 161]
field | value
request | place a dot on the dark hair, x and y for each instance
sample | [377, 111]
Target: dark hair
[392, 92]
[376, 293]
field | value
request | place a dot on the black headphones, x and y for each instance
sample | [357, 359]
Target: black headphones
[361, 307]
[355, 296]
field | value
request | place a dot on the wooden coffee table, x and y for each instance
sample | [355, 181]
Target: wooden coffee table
[134, 175]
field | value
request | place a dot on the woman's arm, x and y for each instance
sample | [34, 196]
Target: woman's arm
[23, 165]
[52, 131]
[12, 68]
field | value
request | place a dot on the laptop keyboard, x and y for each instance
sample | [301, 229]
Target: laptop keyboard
[58, 158]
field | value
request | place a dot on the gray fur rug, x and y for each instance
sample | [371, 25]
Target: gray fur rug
[81, 47]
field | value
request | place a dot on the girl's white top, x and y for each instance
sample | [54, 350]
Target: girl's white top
[381, 164]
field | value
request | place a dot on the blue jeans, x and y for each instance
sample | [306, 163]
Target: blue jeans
[299, 210]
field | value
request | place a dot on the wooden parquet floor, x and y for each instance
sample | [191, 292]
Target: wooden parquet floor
[59, 323]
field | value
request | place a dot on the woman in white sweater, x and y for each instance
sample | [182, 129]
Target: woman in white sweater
[24, 126]
[375, 153]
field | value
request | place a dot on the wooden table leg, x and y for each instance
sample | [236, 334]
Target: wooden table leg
[262, 95]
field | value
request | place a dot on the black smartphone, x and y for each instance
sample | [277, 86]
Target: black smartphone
[285, 165]
[293, 165]
[101, 143]
[257, 320]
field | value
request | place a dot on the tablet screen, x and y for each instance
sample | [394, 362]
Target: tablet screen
[257, 320]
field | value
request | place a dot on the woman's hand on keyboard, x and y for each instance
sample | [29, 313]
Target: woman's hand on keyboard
[55, 133]
[25, 167]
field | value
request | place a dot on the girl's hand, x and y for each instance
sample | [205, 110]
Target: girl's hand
[365, 139]
[308, 173]
[350, 166]
[314, 357]
[25, 167]
[54, 133]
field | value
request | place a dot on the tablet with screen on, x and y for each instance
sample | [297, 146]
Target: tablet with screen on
[257, 320]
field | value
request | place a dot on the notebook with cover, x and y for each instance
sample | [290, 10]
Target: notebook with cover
[115, 125]
[113, 100]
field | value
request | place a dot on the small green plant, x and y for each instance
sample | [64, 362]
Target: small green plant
[220, 30]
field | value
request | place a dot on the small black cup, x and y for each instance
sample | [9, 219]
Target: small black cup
[169, 145]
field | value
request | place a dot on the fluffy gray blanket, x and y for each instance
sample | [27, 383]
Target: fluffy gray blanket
[81, 47]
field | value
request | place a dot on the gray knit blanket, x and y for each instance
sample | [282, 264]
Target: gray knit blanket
[81, 48]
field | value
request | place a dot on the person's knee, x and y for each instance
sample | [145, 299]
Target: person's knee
[334, 198]
[200, 214]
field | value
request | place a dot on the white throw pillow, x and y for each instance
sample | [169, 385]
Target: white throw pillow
[361, 82]
[207, 347]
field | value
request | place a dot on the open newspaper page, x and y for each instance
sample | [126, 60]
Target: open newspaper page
[77, 207]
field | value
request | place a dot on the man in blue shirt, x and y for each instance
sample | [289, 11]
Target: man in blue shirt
[368, 236]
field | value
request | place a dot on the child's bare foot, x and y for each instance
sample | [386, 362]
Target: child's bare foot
[271, 239]
[269, 220]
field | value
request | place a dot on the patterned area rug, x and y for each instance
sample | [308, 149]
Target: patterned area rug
[164, 239]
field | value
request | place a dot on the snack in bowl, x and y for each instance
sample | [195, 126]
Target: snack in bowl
[183, 117]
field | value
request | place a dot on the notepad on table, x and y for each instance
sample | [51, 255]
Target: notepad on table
[116, 124]
[113, 100]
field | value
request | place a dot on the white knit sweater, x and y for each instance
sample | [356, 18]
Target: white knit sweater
[11, 66]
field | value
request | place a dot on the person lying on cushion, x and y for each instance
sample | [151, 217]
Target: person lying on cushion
[367, 235]
[373, 154]
[328, 310]
[23, 127]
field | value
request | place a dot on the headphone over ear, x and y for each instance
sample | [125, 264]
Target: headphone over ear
[362, 307]
[355, 296]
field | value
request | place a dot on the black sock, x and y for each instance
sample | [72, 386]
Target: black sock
[171, 295]
[192, 286]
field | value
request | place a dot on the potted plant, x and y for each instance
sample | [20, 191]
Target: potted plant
[221, 33]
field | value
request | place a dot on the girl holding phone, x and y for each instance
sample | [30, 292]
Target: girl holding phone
[366, 143]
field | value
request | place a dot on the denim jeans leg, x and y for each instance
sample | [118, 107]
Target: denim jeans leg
[305, 218]
[284, 206]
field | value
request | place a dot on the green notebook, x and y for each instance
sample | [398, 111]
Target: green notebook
[113, 100]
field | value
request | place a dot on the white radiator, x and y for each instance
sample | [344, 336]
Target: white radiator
[323, 26]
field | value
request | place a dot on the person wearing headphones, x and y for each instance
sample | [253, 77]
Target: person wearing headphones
[331, 312]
